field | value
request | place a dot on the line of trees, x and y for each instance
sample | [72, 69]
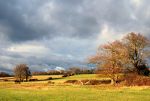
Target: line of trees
[71, 70]
[127, 55]
[4, 74]
[22, 72]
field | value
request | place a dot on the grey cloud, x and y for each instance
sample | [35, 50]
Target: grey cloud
[68, 28]
[85, 19]
[61, 52]
[35, 19]
[11, 15]
[27, 23]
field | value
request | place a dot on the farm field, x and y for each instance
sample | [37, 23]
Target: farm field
[42, 91]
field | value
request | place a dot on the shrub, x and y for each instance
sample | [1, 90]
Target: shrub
[89, 82]
[5, 80]
[50, 82]
[136, 80]
[71, 81]
[17, 82]
[49, 78]
[33, 79]
[95, 82]
[66, 75]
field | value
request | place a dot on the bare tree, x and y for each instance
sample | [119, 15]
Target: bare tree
[130, 53]
[22, 72]
[111, 58]
[138, 50]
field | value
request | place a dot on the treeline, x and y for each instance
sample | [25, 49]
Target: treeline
[22, 71]
[72, 70]
[4, 74]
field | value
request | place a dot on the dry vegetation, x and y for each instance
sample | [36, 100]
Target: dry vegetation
[60, 91]
[122, 74]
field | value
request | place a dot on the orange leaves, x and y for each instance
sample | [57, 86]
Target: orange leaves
[120, 54]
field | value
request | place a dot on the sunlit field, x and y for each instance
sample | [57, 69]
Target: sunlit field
[60, 91]
[74, 93]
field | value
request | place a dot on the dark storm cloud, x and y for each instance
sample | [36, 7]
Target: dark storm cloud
[12, 16]
[26, 19]
[35, 19]
[64, 32]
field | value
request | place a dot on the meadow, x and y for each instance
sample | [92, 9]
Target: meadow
[60, 91]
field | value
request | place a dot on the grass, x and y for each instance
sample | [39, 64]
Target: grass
[42, 91]
[76, 77]
[76, 93]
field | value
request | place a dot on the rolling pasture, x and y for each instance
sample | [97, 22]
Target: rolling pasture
[59, 91]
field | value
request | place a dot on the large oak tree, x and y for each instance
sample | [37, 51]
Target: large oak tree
[130, 53]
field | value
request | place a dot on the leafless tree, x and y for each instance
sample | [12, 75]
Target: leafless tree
[129, 53]
[111, 57]
[137, 46]
[22, 72]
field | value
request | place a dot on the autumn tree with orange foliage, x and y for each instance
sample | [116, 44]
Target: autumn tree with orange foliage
[129, 53]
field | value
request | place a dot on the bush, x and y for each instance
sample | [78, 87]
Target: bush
[33, 79]
[49, 78]
[66, 75]
[71, 81]
[88, 82]
[95, 82]
[136, 80]
[50, 82]
[5, 80]
[17, 82]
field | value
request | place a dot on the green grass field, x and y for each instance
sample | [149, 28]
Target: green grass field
[42, 91]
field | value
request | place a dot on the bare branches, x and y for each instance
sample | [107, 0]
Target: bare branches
[22, 72]
[137, 46]
[129, 53]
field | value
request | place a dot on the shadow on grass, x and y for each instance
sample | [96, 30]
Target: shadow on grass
[48, 79]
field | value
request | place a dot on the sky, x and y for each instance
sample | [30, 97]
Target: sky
[63, 33]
